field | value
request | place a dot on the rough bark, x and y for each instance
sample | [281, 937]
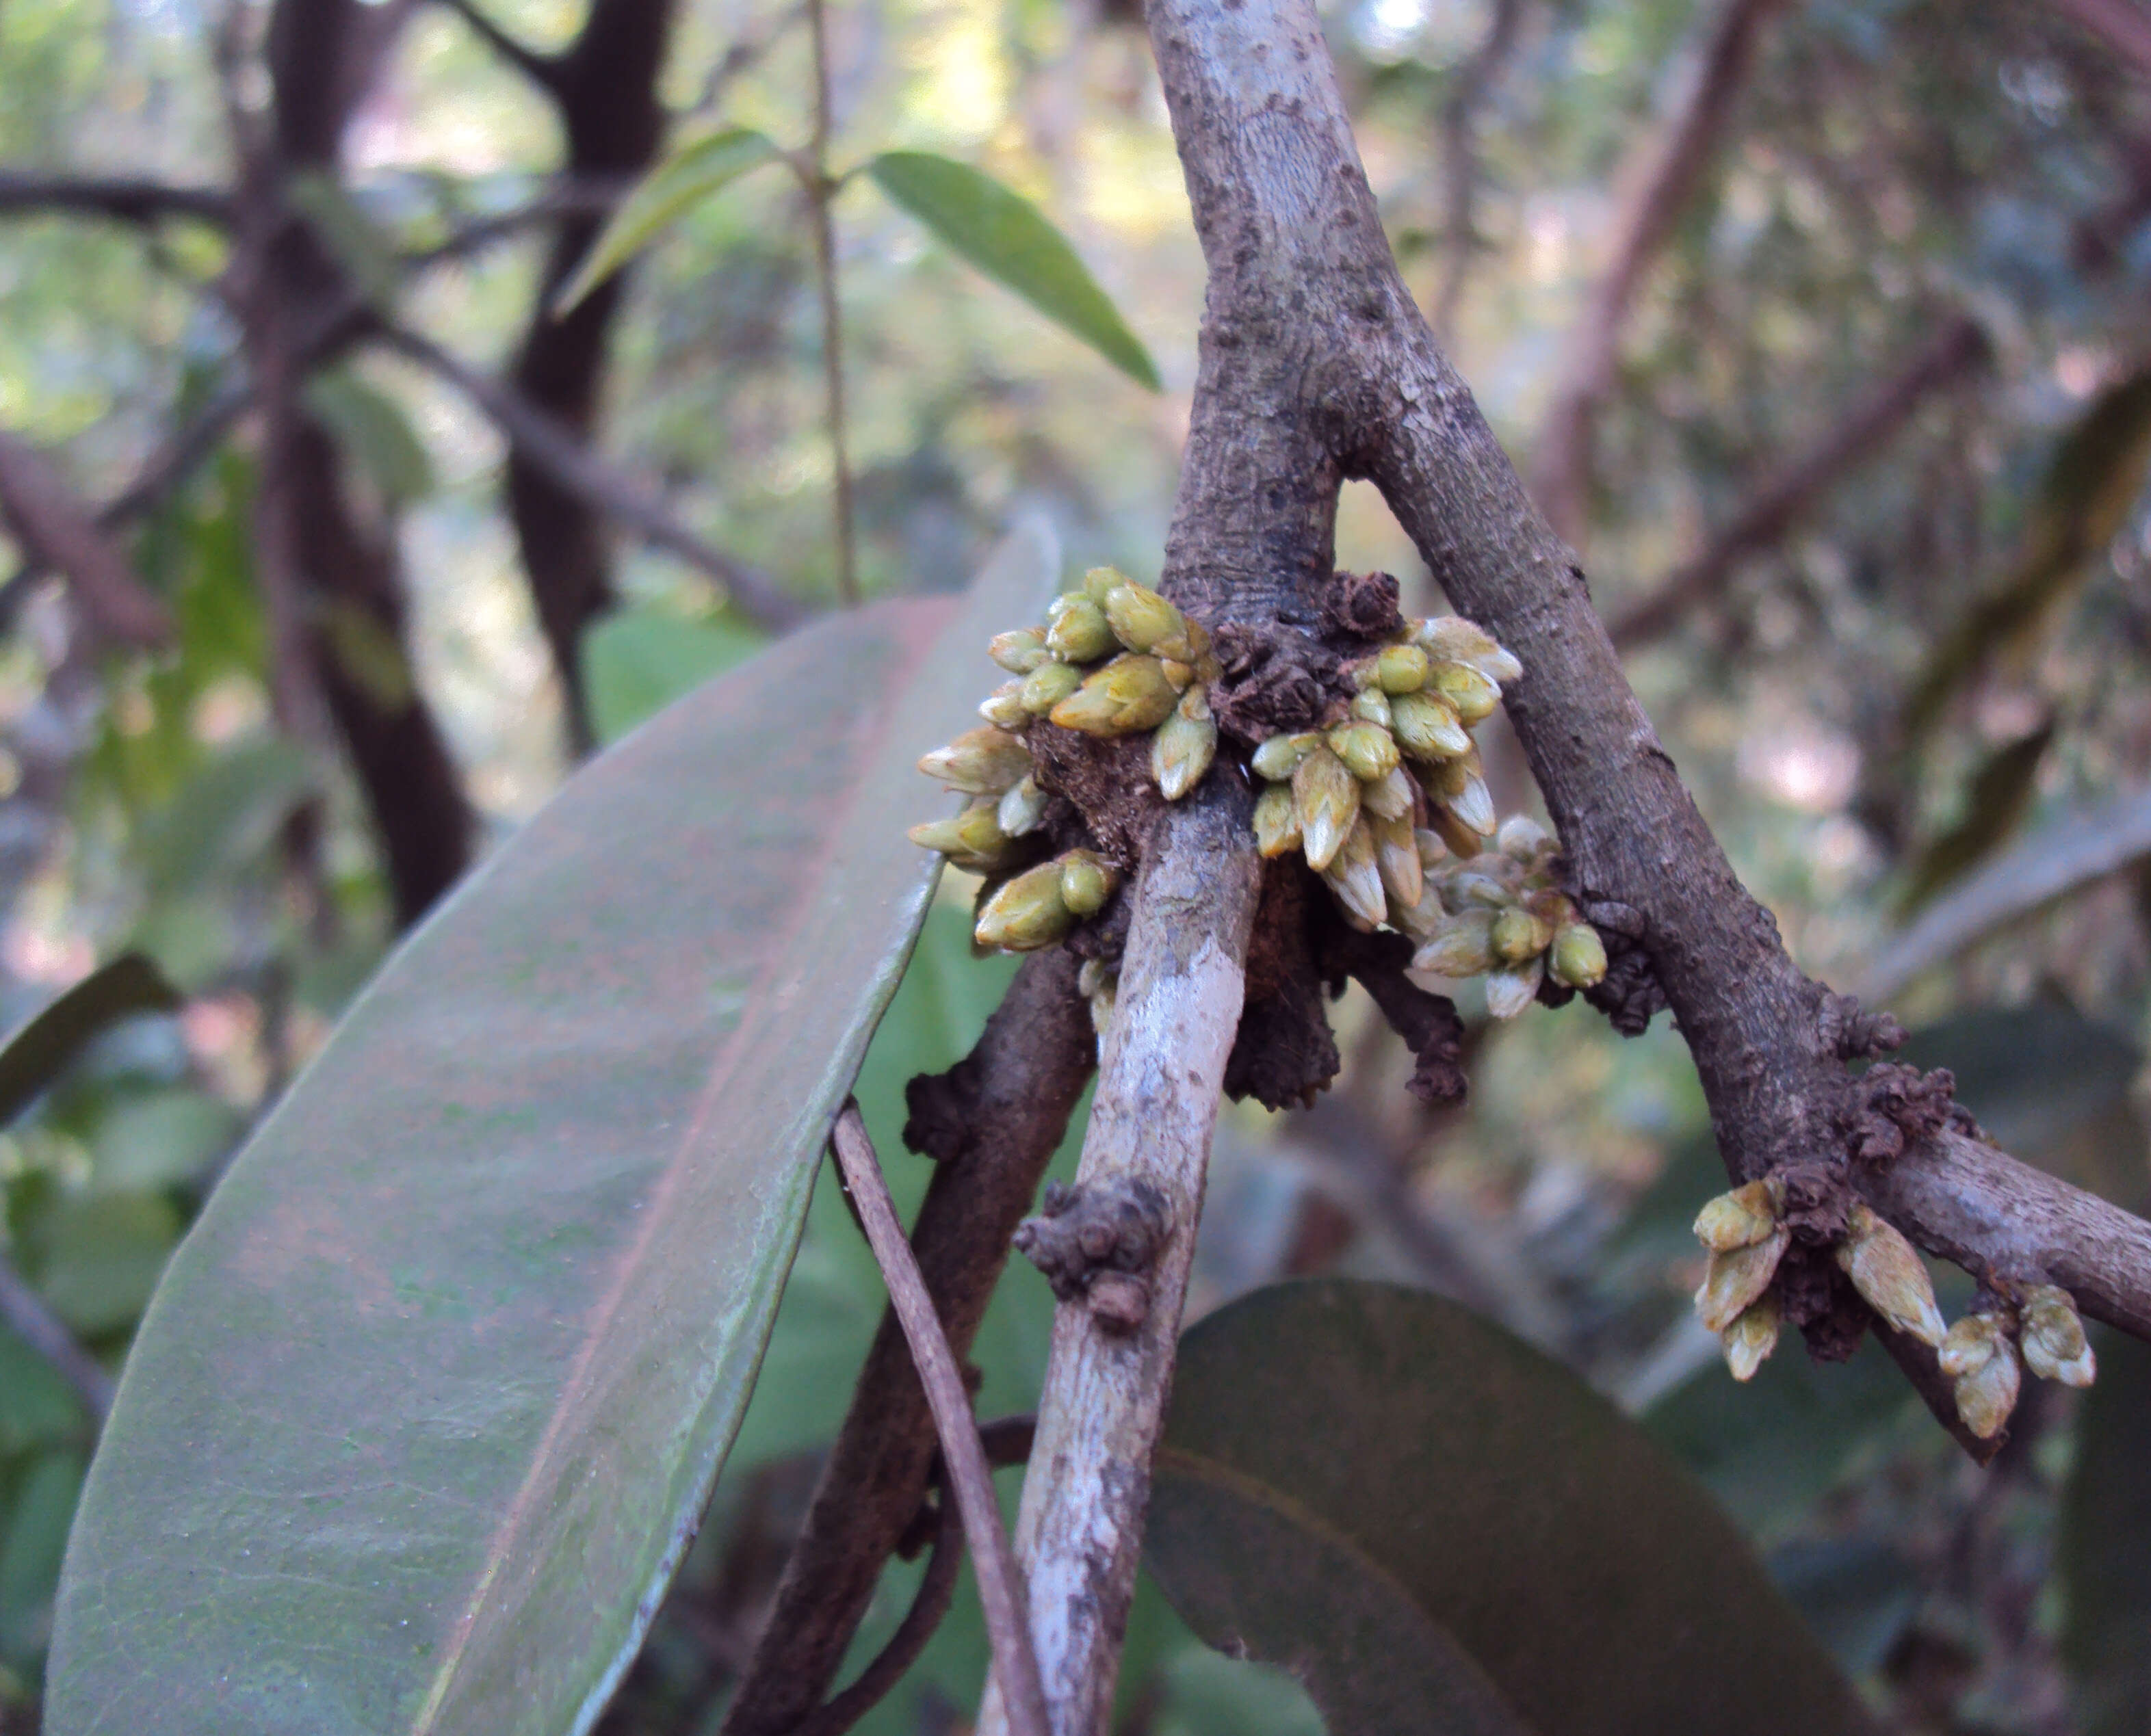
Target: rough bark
[992, 1123]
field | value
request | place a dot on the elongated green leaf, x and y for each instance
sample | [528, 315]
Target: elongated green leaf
[1009, 238]
[2104, 1552]
[373, 427]
[683, 180]
[417, 1425]
[33, 1056]
[1413, 1510]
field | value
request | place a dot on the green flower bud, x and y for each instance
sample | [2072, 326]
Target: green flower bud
[1451, 639]
[2055, 1347]
[1521, 839]
[1087, 882]
[1372, 707]
[1427, 727]
[1021, 808]
[1396, 855]
[1142, 619]
[1422, 920]
[1464, 884]
[1979, 1354]
[1473, 806]
[1021, 652]
[1077, 630]
[1353, 875]
[1329, 798]
[1401, 669]
[1129, 694]
[1025, 913]
[1100, 583]
[1740, 1218]
[1278, 758]
[1460, 839]
[1005, 707]
[1509, 991]
[1368, 751]
[1750, 1339]
[1276, 821]
[980, 762]
[1734, 1281]
[1460, 947]
[1390, 795]
[1469, 694]
[1578, 958]
[1047, 686]
[1888, 1270]
[973, 839]
[1182, 750]
[1433, 853]
[1090, 976]
[1519, 935]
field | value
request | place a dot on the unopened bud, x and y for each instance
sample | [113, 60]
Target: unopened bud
[2055, 1347]
[980, 762]
[1465, 884]
[1003, 707]
[1022, 808]
[1888, 1270]
[1329, 798]
[1469, 694]
[1368, 751]
[1979, 1355]
[1521, 839]
[1047, 686]
[1451, 639]
[1519, 935]
[1181, 675]
[1354, 877]
[1186, 742]
[1276, 821]
[973, 839]
[1129, 694]
[1076, 629]
[1021, 652]
[1461, 946]
[1426, 727]
[1457, 838]
[1025, 913]
[1142, 619]
[1401, 669]
[1578, 957]
[1390, 795]
[1100, 583]
[1396, 855]
[1734, 1281]
[1509, 991]
[1749, 1340]
[1372, 707]
[1278, 758]
[1740, 1218]
[1087, 882]
[1473, 806]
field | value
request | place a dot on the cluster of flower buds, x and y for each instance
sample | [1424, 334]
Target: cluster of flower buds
[1500, 914]
[1745, 1235]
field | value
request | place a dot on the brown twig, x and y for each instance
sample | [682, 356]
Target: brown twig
[821, 195]
[971, 1481]
[127, 199]
[1476, 80]
[31, 1319]
[57, 530]
[575, 466]
[991, 1124]
[543, 70]
[1954, 350]
[1661, 183]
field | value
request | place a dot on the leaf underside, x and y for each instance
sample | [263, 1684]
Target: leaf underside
[426, 1409]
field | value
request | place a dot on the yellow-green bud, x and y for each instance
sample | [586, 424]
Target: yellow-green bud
[1130, 693]
[1076, 629]
[1750, 1339]
[1888, 1270]
[1509, 991]
[1578, 958]
[973, 839]
[1368, 751]
[1474, 804]
[1278, 758]
[1021, 652]
[1451, 639]
[1276, 821]
[1740, 1218]
[1353, 875]
[1005, 707]
[1101, 582]
[1460, 839]
[1087, 882]
[1186, 742]
[1401, 669]
[1469, 694]
[1372, 707]
[1427, 727]
[1390, 795]
[1090, 976]
[1396, 855]
[1047, 686]
[1521, 839]
[2055, 1347]
[1979, 1355]
[1025, 913]
[1432, 851]
[1734, 1281]
[1329, 798]
[1461, 946]
[1021, 808]
[1519, 935]
[1468, 885]
[980, 761]
[1142, 619]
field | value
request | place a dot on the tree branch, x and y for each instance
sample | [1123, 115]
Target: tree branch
[1957, 348]
[970, 1483]
[575, 466]
[57, 530]
[126, 198]
[27, 1315]
[1476, 80]
[992, 1125]
[1662, 181]
[543, 70]
[2122, 26]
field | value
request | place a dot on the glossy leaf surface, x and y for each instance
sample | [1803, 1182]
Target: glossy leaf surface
[422, 1415]
[1435, 1527]
[1009, 238]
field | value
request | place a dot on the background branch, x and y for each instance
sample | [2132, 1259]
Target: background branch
[543, 70]
[128, 199]
[26, 1314]
[1476, 80]
[57, 530]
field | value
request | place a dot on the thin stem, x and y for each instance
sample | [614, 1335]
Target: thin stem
[1000, 1586]
[821, 195]
[30, 1319]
